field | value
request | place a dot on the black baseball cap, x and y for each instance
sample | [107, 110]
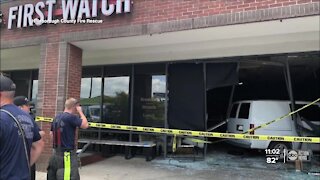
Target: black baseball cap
[6, 84]
[21, 100]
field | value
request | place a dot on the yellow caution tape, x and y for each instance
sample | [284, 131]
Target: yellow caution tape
[180, 132]
[44, 119]
[206, 134]
[198, 133]
[174, 143]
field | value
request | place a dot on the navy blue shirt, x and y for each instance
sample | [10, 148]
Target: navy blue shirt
[13, 163]
[65, 124]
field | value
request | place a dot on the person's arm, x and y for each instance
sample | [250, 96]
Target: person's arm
[42, 133]
[37, 144]
[36, 151]
[84, 122]
[51, 133]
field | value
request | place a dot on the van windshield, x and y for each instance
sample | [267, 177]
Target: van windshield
[311, 113]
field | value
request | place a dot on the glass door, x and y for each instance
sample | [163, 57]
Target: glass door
[149, 95]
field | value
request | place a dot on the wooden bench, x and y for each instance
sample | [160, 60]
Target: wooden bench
[150, 145]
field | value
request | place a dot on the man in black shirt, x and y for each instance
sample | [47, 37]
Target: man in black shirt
[24, 104]
[20, 141]
[64, 163]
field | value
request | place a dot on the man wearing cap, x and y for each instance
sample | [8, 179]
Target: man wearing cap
[20, 141]
[64, 162]
[24, 104]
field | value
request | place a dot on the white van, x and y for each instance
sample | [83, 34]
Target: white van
[245, 115]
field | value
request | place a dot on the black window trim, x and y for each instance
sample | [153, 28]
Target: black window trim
[239, 108]
[237, 111]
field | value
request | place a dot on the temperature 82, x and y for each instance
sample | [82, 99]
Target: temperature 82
[271, 160]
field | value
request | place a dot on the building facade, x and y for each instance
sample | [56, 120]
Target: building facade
[137, 43]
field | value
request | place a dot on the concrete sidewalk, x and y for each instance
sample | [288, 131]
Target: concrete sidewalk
[117, 168]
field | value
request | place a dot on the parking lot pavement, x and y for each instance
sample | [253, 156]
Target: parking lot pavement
[218, 165]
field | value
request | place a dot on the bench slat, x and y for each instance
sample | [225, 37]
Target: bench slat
[119, 143]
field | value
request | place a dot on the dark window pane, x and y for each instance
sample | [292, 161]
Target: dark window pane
[149, 95]
[90, 98]
[244, 111]
[116, 100]
[22, 81]
[153, 108]
[186, 107]
[234, 109]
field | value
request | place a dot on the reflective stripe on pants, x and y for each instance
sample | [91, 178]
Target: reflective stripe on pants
[67, 166]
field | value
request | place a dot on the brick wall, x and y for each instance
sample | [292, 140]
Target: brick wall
[151, 11]
[59, 78]
[75, 72]
[46, 100]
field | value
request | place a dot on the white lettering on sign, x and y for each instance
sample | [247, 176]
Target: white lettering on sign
[39, 7]
[19, 23]
[69, 8]
[12, 16]
[84, 9]
[94, 8]
[126, 6]
[43, 12]
[28, 12]
[50, 4]
[106, 9]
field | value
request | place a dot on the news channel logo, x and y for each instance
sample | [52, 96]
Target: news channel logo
[293, 155]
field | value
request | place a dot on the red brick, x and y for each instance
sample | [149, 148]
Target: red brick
[276, 5]
[144, 12]
[303, 1]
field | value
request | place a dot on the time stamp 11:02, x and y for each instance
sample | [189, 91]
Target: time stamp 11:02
[273, 155]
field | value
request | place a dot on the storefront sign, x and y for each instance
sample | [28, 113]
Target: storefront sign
[73, 11]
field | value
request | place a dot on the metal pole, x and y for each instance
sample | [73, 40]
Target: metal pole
[90, 92]
[205, 106]
[101, 99]
[166, 113]
[30, 85]
[289, 83]
[232, 92]
[131, 99]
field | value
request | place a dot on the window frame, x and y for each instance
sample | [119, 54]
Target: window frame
[239, 110]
